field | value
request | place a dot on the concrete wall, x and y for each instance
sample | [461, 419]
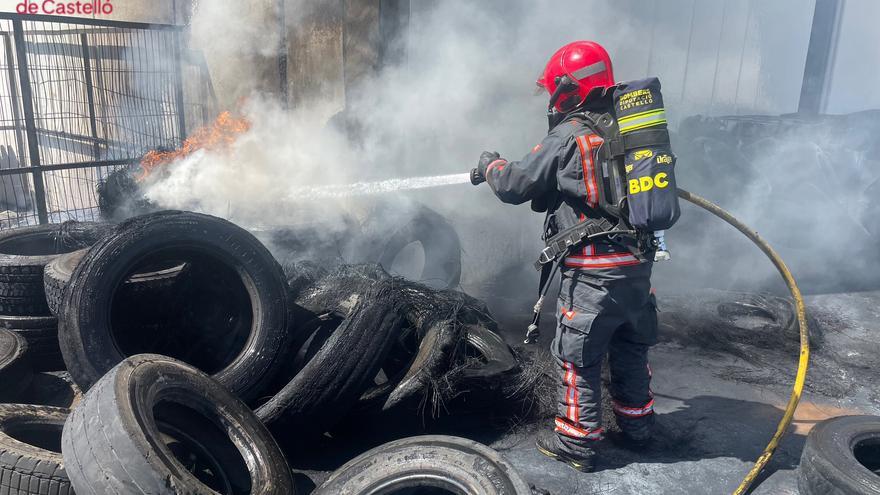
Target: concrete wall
[332, 47]
[240, 40]
[315, 39]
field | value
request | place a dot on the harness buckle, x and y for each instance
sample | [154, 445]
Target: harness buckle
[546, 256]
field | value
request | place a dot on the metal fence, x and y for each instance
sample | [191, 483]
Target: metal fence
[80, 98]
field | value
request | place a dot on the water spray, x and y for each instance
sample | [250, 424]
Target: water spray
[377, 187]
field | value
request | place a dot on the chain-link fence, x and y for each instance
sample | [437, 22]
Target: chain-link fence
[80, 98]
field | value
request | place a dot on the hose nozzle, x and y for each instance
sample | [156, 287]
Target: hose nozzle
[476, 177]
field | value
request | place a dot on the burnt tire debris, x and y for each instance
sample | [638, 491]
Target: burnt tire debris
[30, 450]
[444, 463]
[841, 457]
[447, 345]
[335, 376]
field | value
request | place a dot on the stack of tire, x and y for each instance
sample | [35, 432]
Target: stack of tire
[35, 392]
[175, 325]
[24, 303]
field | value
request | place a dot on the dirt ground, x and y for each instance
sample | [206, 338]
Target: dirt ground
[722, 376]
[719, 401]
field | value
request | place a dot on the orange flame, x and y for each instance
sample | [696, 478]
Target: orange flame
[219, 134]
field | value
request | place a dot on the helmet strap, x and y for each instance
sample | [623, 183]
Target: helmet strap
[564, 85]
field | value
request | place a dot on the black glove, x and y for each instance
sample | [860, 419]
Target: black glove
[478, 175]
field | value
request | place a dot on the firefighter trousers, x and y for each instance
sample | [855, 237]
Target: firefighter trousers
[604, 312]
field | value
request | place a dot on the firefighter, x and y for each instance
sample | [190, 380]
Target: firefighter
[605, 305]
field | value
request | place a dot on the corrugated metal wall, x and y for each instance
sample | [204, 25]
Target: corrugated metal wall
[719, 56]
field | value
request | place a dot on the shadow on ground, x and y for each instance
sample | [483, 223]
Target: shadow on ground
[694, 429]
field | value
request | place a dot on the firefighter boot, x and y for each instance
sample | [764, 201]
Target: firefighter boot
[636, 433]
[580, 458]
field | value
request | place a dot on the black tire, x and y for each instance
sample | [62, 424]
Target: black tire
[437, 237]
[58, 272]
[24, 254]
[842, 457]
[236, 310]
[132, 428]
[452, 464]
[41, 334]
[52, 388]
[30, 450]
[15, 368]
[339, 372]
[56, 276]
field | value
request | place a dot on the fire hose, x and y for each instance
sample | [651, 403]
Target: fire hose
[800, 307]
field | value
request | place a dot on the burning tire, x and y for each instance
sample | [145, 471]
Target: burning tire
[442, 463]
[41, 335]
[156, 425]
[393, 248]
[24, 254]
[842, 457]
[229, 320]
[358, 334]
[30, 450]
[120, 196]
[15, 369]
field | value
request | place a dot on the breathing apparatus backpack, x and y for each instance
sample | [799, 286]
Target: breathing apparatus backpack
[637, 192]
[638, 174]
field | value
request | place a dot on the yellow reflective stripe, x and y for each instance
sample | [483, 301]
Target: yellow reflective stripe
[642, 126]
[632, 124]
[642, 114]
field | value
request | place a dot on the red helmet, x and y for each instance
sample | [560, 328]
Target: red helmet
[586, 64]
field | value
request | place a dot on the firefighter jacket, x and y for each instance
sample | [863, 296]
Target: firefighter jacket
[557, 177]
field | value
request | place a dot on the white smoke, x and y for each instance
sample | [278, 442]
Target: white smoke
[466, 85]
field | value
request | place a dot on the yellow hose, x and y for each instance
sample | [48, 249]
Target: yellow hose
[804, 360]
